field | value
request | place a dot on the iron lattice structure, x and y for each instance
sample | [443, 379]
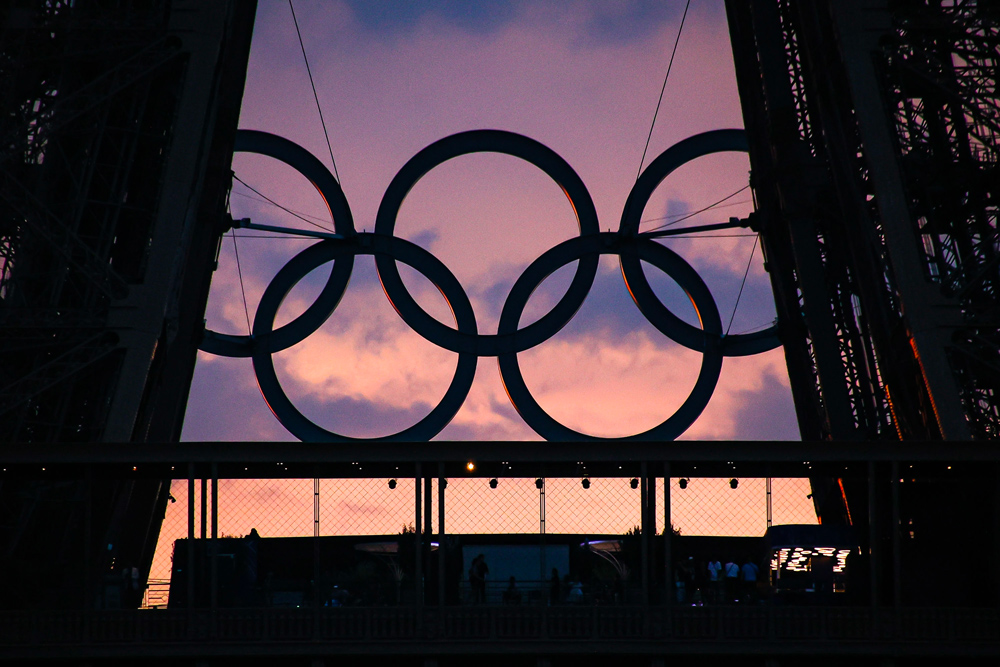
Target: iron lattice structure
[873, 128]
[939, 71]
[117, 122]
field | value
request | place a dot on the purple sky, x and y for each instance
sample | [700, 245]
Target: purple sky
[582, 78]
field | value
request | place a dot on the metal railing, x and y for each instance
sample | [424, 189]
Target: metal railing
[750, 626]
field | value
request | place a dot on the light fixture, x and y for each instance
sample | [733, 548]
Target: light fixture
[539, 483]
[634, 482]
[470, 466]
[683, 483]
[392, 483]
[493, 483]
[733, 483]
[585, 483]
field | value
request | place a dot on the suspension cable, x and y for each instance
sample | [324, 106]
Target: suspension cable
[660, 100]
[315, 95]
[740, 294]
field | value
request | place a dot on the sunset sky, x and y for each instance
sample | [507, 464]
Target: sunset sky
[581, 77]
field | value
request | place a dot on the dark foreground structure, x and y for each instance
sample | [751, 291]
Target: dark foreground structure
[890, 606]
[872, 129]
[117, 125]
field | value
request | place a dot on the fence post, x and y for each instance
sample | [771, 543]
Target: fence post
[770, 512]
[441, 535]
[428, 533]
[214, 544]
[874, 552]
[418, 569]
[541, 534]
[190, 544]
[88, 539]
[668, 533]
[897, 591]
[644, 529]
[318, 589]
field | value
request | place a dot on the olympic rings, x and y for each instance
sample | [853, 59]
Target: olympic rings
[361, 244]
[716, 141]
[279, 148]
[664, 259]
[464, 339]
[487, 141]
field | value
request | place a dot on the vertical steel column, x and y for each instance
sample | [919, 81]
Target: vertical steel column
[316, 507]
[428, 533]
[874, 552]
[214, 544]
[418, 570]
[644, 529]
[88, 539]
[317, 565]
[897, 590]
[190, 544]
[668, 534]
[996, 530]
[541, 533]
[204, 509]
[442, 541]
[770, 510]
[651, 513]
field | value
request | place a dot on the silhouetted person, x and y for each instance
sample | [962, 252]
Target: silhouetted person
[575, 595]
[732, 580]
[512, 595]
[477, 578]
[714, 569]
[750, 572]
[555, 591]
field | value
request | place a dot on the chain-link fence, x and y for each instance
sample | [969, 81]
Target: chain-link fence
[476, 506]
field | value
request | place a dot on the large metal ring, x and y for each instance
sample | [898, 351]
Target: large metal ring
[464, 339]
[659, 315]
[338, 250]
[488, 141]
[279, 148]
[659, 256]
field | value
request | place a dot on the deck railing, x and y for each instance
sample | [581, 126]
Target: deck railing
[760, 626]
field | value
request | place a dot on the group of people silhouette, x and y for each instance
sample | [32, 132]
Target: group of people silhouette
[512, 595]
[714, 582]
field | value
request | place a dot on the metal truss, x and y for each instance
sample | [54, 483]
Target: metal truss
[88, 94]
[109, 217]
[873, 131]
[939, 67]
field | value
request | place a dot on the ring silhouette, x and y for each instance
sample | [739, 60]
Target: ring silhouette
[464, 338]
